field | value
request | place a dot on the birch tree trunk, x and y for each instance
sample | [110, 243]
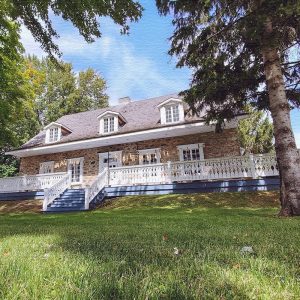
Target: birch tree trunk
[285, 145]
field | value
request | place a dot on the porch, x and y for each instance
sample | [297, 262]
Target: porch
[156, 175]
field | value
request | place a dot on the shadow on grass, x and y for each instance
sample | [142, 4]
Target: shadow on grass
[205, 200]
[125, 239]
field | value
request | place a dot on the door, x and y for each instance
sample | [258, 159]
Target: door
[75, 167]
[110, 160]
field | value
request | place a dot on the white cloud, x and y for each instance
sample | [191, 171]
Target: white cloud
[30, 45]
[127, 71]
[130, 73]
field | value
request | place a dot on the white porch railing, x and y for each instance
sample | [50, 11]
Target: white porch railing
[29, 182]
[209, 169]
[98, 184]
[50, 194]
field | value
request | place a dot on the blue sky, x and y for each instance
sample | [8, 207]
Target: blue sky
[137, 65]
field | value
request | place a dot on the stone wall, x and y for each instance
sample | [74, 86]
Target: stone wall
[215, 145]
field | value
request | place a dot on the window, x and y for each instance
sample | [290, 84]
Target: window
[191, 152]
[172, 114]
[149, 156]
[47, 167]
[75, 166]
[53, 134]
[110, 159]
[109, 124]
[171, 111]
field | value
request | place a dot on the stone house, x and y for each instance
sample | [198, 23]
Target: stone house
[147, 132]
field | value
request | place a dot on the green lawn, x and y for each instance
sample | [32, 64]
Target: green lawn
[118, 251]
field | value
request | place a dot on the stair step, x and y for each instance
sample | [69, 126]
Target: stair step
[66, 203]
[74, 194]
[70, 198]
[65, 209]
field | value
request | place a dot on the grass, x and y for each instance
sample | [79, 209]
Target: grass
[125, 250]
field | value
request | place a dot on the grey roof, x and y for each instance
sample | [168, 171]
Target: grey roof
[139, 115]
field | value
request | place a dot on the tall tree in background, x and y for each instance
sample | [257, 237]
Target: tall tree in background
[59, 91]
[240, 52]
[256, 132]
[49, 91]
[11, 77]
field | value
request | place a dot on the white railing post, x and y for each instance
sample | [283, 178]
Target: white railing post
[45, 201]
[87, 198]
[70, 177]
[24, 182]
[252, 166]
[169, 168]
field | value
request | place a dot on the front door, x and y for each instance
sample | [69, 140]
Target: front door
[75, 167]
[110, 160]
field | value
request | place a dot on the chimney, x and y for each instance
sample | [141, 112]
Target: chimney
[124, 100]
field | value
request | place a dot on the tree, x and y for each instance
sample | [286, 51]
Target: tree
[240, 53]
[59, 91]
[83, 14]
[91, 87]
[256, 133]
[11, 78]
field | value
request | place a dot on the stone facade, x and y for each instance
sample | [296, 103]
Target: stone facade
[215, 145]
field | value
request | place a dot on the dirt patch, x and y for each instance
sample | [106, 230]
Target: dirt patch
[32, 206]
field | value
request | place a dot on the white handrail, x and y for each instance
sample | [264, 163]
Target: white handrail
[98, 184]
[209, 169]
[29, 182]
[50, 194]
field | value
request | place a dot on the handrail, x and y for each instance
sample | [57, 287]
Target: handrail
[50, 194]
[29, 182]
[208, 169]
[98, 184]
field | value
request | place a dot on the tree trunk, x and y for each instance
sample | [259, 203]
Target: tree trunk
[287, 154]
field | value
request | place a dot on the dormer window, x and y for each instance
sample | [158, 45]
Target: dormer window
[55, 131]
[110, 122]
[171, 111]
[53, 134]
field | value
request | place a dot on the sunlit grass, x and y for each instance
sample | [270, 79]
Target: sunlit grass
[118, 251]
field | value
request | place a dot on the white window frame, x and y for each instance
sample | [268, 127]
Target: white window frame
[112, 124]
[76, 160]
[191, 147]
[46, 165]
[50, 137]
[105, 155]
[172, 113]
[171, 104]
[143, 152]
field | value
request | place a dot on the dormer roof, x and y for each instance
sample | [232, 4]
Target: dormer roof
[170, 100]
[56, 124]
[110, 112]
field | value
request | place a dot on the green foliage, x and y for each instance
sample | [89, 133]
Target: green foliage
[83, 14]
[8, 165]
[11, 78]
[60, 92]
[256, 132]
[222, 42]
[118, 252]
[49, 90]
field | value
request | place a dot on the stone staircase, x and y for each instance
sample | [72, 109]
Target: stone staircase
[70, 200]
